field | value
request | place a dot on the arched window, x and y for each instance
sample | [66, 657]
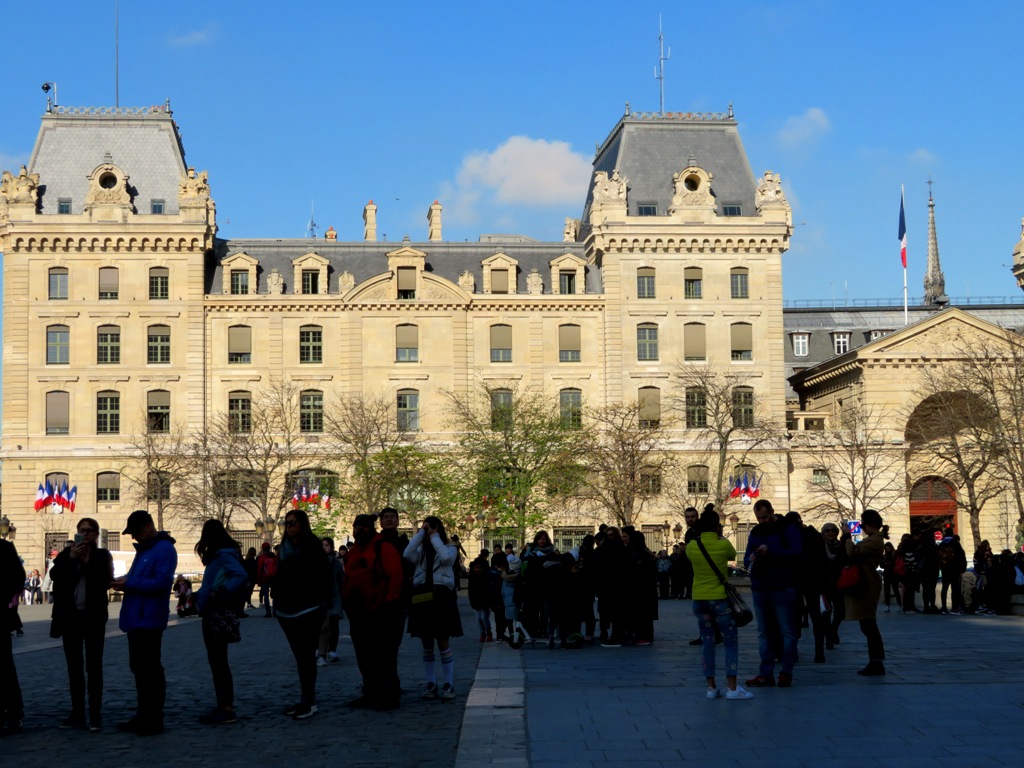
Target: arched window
[311, 411]
[570, 408]
[58, 408]
[569, 343]
[109, 283]
[311, 344]
[108, 413]
[58, 345]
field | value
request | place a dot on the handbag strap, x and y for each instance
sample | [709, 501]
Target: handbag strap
[711, 562]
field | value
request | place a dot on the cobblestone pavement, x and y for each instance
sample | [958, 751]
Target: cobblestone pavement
[954, 696]
[421, 733]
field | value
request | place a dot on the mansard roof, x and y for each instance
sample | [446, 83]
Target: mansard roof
[143, 142]
[647, 149]
[365, 259]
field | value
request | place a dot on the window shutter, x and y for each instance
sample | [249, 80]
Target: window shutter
[239, 339]
[406, 279]
[108, 480]
[108, 279]
[650, 404]
[694, 347]
[407, 337]
[501, 337]
[159, 398]
[58, 406]
[499, 281]
[742, 336]
[569, 338]
[693, 273]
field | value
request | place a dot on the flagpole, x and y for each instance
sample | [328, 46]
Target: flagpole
[903, 253]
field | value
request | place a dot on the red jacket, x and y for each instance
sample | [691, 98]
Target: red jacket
[373, 576]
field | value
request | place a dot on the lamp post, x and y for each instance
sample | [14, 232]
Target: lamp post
[7, 530]
[259, 526]
[677, 529]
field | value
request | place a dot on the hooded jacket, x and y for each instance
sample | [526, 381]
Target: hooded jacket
[147, 587]
[225, 569]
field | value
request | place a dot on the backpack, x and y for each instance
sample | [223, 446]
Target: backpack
[946, 555]
[268, 568]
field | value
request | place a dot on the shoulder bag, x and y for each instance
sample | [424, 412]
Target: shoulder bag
[741, 612]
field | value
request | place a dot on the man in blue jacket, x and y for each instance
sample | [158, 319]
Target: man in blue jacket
[144, 609]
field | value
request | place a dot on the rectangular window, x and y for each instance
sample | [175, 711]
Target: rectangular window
[158, 348]
[742, 341]
[156, 207]
[108, 345]
[108, 413]
[696, 408]
[501, 343]
[819, 476]
[239, 345]
[569, 344]
[58, 408]
[731, 209]
[567, 282]
[647, 209]
[841, 341]
[645, 283]
[407, 343]
[311, 345]
[693, 283]
[694, 345]
[108, 283]
[406, 283]
[239, 282]
[743, 407]
[310, 281]
[697, 482]
[650, 482]
[64, 205]
[58, 284]
[501, 409]
[158, 411]
[879, 333]
[570, 407]
[311, 412]
[159, 283]
[647, 342]
[58, 345]
[408, 410]
[108, 487]
[239, 412]
[738, 283]
[800, 344]
[499, 281]
[650, 407]
[158, 486]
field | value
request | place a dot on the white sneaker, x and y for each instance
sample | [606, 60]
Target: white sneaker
[332, 656]
[739, 693]
[714, 693]
[447, 692]
[321, 661]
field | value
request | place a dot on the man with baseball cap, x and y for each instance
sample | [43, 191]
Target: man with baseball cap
[144, 609]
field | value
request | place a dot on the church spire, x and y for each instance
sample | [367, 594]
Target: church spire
[934, 280]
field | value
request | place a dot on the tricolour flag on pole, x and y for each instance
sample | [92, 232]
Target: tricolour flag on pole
[73, 498]
[40, 498]
[903, 234]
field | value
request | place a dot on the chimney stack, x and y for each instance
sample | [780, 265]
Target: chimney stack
[434, 222]
[370, 222]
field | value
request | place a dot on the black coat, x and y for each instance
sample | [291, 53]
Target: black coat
[66, 573]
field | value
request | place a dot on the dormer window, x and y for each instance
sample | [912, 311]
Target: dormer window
[499, 281]
[310, 281]
[64, 205]
[156, 207]
[406, 282]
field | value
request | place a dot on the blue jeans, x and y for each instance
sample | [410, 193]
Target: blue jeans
[708, 612]
[775, 611]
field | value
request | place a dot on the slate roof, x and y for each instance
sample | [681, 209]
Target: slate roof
[143, 142]
[366, 259]
[648, 150]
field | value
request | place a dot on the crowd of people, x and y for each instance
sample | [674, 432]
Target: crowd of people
[606, 590]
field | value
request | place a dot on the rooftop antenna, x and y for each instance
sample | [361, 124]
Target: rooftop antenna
[117, 63]
[312, 227]
[47, 87]
[659, 71]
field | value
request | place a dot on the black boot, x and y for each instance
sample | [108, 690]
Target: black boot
[873, 669]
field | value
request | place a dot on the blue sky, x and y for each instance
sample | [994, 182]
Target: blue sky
[495, 109]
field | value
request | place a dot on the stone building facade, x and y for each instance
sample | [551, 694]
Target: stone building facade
[124, 312]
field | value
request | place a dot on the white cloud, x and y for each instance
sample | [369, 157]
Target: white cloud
[194, 37]
[800, 129]
[525, 171]
[923, 157]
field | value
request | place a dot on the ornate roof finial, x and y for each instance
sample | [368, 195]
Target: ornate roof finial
[627, 109]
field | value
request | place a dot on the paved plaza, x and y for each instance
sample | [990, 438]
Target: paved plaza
[954, 696]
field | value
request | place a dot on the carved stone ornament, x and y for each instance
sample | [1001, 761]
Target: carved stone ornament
[571, 233]
[466, 281]
[769, 192]
[275, 283]
[22, 188]
[346, 282]
[378, 292]
[609, 190]
[108, 185]
[692, 189]
[194, 189]
[534, 283]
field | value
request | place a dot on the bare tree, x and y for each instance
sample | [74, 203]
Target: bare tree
[154, 463]
[523, 455]
[855, 466]
[625, 462]
[726, 425]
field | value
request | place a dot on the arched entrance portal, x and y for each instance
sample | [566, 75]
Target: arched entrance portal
[932, 504]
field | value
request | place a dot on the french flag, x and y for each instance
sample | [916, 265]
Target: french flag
[295, 500]
[50, 496]
[41, 500]
[903, 233]
[73, 498]
[755, 487]
[737, 487]
[62, 495]
[327, 501]
[314, 495]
